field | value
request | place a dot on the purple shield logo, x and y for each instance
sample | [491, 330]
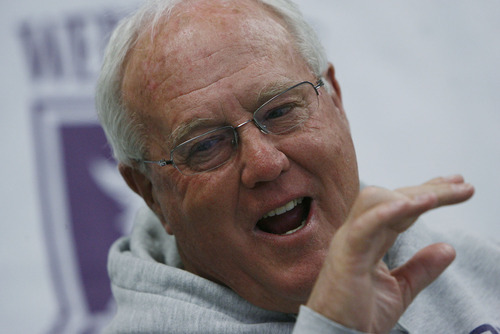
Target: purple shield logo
[85, 206]
[84, 201]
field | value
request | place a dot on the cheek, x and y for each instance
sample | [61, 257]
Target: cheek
[210, 195]
[202, 220]
[331, 156]
[197, 203]
[327, 141]
[333, 129]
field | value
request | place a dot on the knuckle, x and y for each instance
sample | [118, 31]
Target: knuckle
[373, 195]
[369, 193]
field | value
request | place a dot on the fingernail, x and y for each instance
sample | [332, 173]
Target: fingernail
[462, 187]
[451, 178]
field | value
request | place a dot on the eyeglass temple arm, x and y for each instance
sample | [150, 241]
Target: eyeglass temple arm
[319, 84]
[160, 163]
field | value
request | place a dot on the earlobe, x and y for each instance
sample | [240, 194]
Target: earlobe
[138, 182]
[142, 185]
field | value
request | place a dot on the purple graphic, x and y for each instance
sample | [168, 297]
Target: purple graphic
[85, 206]
[85, 203]
[485, 329]
[90, 209]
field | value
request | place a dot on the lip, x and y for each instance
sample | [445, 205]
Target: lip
[270, 205]
[295, 236]
[284, 208]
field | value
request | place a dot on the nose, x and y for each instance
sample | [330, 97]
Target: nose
[260, 159]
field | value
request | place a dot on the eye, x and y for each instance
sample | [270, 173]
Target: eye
[206, 145]
[206, 151]
[278, 112]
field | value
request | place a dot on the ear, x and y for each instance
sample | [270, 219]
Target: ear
[329, 75]
[142, 185]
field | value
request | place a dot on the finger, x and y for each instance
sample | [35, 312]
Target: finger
[374, 231]
[392, 214]
[372, 196]
[447, 193]
[457, 178]
[422, 269]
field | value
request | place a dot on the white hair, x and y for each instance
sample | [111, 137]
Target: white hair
[124, 130]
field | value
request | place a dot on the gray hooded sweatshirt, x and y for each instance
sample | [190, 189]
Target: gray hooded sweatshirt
[155, 295]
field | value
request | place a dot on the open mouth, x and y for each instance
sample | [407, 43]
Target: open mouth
[287, 219]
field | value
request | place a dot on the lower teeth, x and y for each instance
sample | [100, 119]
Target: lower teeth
[296, 229]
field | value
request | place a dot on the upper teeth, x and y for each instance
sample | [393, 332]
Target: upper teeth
[287, 207]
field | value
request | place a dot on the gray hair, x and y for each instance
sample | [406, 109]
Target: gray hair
[124, 130]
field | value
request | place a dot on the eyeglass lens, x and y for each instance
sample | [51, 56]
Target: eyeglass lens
[280, 114]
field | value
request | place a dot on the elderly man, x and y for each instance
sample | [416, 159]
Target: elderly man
[227, 120]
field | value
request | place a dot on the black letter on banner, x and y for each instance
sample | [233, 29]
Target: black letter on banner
[42, 51]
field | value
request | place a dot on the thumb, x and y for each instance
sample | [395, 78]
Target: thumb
[422, 269]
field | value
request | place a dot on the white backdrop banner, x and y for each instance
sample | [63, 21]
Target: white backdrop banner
[420, 83]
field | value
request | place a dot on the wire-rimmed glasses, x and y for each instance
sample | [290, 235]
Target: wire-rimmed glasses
[281, 114]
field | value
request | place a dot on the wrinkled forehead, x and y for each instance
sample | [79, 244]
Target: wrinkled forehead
[216, 12]
[197, 34]
[226, 17]
[211, 58]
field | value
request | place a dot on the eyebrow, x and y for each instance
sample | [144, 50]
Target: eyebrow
[184, 129]
[270, 91]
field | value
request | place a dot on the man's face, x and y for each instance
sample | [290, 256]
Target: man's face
[214, 61]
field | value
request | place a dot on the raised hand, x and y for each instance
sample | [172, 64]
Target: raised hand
[355, 288]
